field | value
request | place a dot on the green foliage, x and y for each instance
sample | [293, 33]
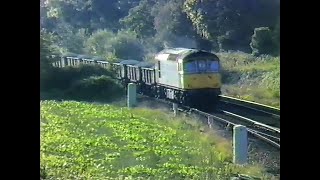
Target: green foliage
[90, 83]
[210, 25]
[88, 14]
[168, 20]
[272, 81]
[95, 88]
[61, 78]
[97, 43]
[126, 45]
[123, 45]
[213, 19]
[43, 174]
[73, 40]
[234, 40]
[276, 38]
[254, 93]
[262, 42]
[252, 78]
[105, 14]
[91, 141]
[73, 20]
[140, 19]
[225, 42]
[244, 62]
[197, 18]
[47, 44]
[46, 49]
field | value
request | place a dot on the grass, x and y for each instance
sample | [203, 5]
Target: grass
[251, 78]
[95, 141]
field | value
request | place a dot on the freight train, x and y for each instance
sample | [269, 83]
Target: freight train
[190, 77]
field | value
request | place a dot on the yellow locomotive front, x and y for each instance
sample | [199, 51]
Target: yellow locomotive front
[200, 73]
[200, 79]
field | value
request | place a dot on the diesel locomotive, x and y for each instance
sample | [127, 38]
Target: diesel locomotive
[185, 76]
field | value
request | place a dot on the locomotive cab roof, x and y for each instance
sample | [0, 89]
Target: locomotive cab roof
[175, 54]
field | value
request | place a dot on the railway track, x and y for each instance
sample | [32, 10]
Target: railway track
[258, 112]
[261, 108]
[258, 130]
[261, 131]
[264, 140]
[264, 132]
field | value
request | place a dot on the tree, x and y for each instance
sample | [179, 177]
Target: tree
[262, 41]
[140, 19]
[46, 49]
[173, 28]
[126, 45]
[123, 45]
[70, 38]
[97, 43]
[232, 21]
[276, 37]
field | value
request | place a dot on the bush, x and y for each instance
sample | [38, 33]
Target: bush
[43, 173]
[95, 88]
[262, 41]
[225, 43]
[61, 78]
[276, 38]
[92, 82]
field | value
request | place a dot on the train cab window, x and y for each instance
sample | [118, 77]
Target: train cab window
[202, 66]
[190, 67]
[213, 66]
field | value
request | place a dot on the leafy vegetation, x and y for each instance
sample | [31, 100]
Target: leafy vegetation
[252, 78]
[123, 45]
[262, 42]
[89, 83]
[94, 141]
[219, 25]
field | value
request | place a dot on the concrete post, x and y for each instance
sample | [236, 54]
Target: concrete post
[210, 121]
[132, 95]
[175, 108]
[240, 144]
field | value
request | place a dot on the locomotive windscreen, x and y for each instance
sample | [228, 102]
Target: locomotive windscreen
[213, 66]
[190, 67]
[201, 66]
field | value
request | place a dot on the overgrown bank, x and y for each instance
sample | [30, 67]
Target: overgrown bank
[84, 83]
[91, 141]
[251, 78]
